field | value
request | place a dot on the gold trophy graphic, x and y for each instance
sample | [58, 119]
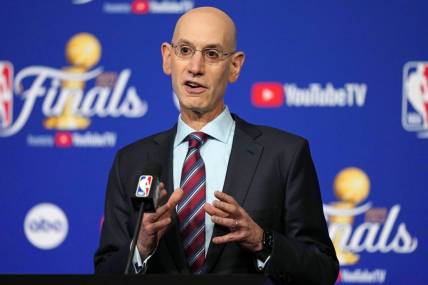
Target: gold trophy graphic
[351, 187]
[83, 51]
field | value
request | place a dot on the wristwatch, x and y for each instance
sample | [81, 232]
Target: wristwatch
[267, 244]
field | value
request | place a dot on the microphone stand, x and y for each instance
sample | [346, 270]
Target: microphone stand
[135, 239]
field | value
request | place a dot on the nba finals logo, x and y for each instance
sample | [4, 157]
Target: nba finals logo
[67, 103]
[356, 227]
[415, 98]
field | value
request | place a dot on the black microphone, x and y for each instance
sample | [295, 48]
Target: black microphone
[146, 193]
[146, 200]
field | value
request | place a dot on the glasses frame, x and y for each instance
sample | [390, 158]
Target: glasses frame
[223, 54]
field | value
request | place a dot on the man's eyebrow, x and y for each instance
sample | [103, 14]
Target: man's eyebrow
[217, 46]
[182, 41]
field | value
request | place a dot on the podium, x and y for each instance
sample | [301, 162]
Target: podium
[164, 279]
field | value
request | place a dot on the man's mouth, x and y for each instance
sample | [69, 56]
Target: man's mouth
[193, 87]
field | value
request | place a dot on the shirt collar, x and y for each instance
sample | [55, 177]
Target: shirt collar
[219, 128]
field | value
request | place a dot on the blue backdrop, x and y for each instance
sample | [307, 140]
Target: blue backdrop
[348, 75]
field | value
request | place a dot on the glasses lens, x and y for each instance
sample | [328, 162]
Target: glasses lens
[212, 55]
[184, 51]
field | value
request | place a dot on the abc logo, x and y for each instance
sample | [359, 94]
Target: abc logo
[46, 226]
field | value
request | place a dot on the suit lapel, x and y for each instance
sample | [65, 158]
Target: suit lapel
[164, 155]
[243, 162]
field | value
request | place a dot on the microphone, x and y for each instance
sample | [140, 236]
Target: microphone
[146, 200]
[147, 192]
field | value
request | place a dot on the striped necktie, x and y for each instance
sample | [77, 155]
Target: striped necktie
[191, 214]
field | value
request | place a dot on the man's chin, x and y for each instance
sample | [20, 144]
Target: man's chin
[200, 112]
[197, 110]
[194, 109]
[192, 105]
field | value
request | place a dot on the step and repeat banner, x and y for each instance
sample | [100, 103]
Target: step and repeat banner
[80, 79]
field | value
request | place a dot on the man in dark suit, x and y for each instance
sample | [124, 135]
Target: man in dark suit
[246, 197]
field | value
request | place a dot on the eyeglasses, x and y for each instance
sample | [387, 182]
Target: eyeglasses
[211, 55]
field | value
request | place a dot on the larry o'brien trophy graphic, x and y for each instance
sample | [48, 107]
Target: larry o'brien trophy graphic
[83, 51]
[351, 187]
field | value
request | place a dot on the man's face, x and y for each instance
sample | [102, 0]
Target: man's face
[200, 85]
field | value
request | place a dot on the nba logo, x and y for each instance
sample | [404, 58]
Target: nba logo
[415, 97]
[144, 184]
[6, 94]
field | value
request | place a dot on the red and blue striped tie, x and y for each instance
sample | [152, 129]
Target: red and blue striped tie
[191, 214]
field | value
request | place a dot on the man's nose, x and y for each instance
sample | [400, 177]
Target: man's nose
[196, 63]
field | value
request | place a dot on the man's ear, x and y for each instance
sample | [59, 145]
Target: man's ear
[166, 58]
[236, 63]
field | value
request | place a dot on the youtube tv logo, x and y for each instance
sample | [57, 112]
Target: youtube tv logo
[267, 94]
[140, 7]
[63, 139]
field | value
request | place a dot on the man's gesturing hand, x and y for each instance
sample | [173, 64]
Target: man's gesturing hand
[154, 225]
[226, 212]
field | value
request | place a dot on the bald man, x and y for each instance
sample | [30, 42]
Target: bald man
[246, 197]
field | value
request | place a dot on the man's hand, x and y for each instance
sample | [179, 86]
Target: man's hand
[154, 225]
[226, 212]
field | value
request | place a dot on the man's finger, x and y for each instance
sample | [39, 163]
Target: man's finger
[230, 237]
[213, 211]
[225, 197]
[155, 227]
[175, 198]
[226, 207]
[162, 193]
[158, 214]
[172, 202]
[226, 222]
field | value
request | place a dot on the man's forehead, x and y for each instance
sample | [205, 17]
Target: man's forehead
[205, 26]
[201, 37]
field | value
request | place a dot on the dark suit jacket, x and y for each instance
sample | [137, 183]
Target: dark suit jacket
[270, 174]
